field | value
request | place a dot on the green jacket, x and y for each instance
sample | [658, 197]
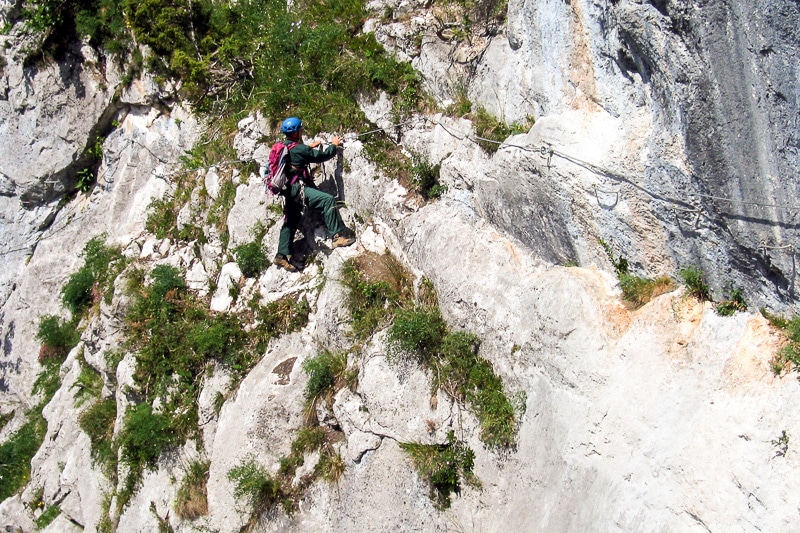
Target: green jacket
[303, 155]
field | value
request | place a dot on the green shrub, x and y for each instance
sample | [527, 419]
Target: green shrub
[175, 336]
[327, 373]
[95, 279]
[377, 285]
[162, 217]
[416, 334]
[47, 517]
[461, 105]
[98, 423]
[694, 280]
[620, 264]
[77, 293]
[241, 55]
[420, 335]
[493, 132]
[307, 440]
[58, 337]
[99, 21]
[639, 291]
[488, 13]
[277, 318]
[471, 379]
[5, 419]
[443, 467]
[166, 279]
[16, 454]
[191, 501]
[145, 436]
[788, 356]
[734, 303]
[635, 289]
[258, 489]
[252, 259]
[425, 177]
[89, 383]
[218, 213]
[48, 381]
[330, 466]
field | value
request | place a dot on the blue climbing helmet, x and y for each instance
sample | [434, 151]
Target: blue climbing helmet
[291, 125]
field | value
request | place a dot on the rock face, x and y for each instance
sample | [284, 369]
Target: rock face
[667, 130]
[686, 115]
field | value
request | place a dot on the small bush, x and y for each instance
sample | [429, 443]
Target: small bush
[471, 379]
[327, 373]
[16, 454]
[191, 501]
[420, 335]
[145, 436]
[639, 291]
[218, 213]
[461, 105]
[443, 467]
[95, 279]
[695, 282]
[733, 304]
[98, 423]
[493, 132]
[162, 217]
[375, 290]
[166, 279]
[89, 384]
[308, 439]
[47, 517]
[48, 381]
[57, 336]
[252, 259]
[416, 334]
[277, 318]
[330, 466]
[5, 419]
[425, 177]
[635, 289]
[77, 293]
[257, 488]
[788, 356]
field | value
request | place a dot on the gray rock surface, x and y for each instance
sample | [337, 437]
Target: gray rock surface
[668, 130]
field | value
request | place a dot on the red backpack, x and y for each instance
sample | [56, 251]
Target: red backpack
[275, 175]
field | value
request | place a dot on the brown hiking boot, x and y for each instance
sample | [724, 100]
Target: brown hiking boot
[281, 261]
[342, 239]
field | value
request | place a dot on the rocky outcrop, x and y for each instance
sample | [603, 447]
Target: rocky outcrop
[699, 101]
[667, 417]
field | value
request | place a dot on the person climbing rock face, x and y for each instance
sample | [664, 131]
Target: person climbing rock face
[300, 156]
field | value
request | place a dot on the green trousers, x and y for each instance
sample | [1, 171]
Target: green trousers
[293, 211]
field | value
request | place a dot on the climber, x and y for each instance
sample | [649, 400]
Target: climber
[300, 156]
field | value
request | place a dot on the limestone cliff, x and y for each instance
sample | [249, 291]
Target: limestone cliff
[665, 129]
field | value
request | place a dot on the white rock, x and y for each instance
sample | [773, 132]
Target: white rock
[229, 277]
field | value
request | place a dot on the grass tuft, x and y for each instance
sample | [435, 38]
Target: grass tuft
[733, 304]
[377, 285]
[254, 486]
[421, 336]
[443, 467]
[787, 358]
[635, 289]
[191, 501]
[98, 423]
[695, 282]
